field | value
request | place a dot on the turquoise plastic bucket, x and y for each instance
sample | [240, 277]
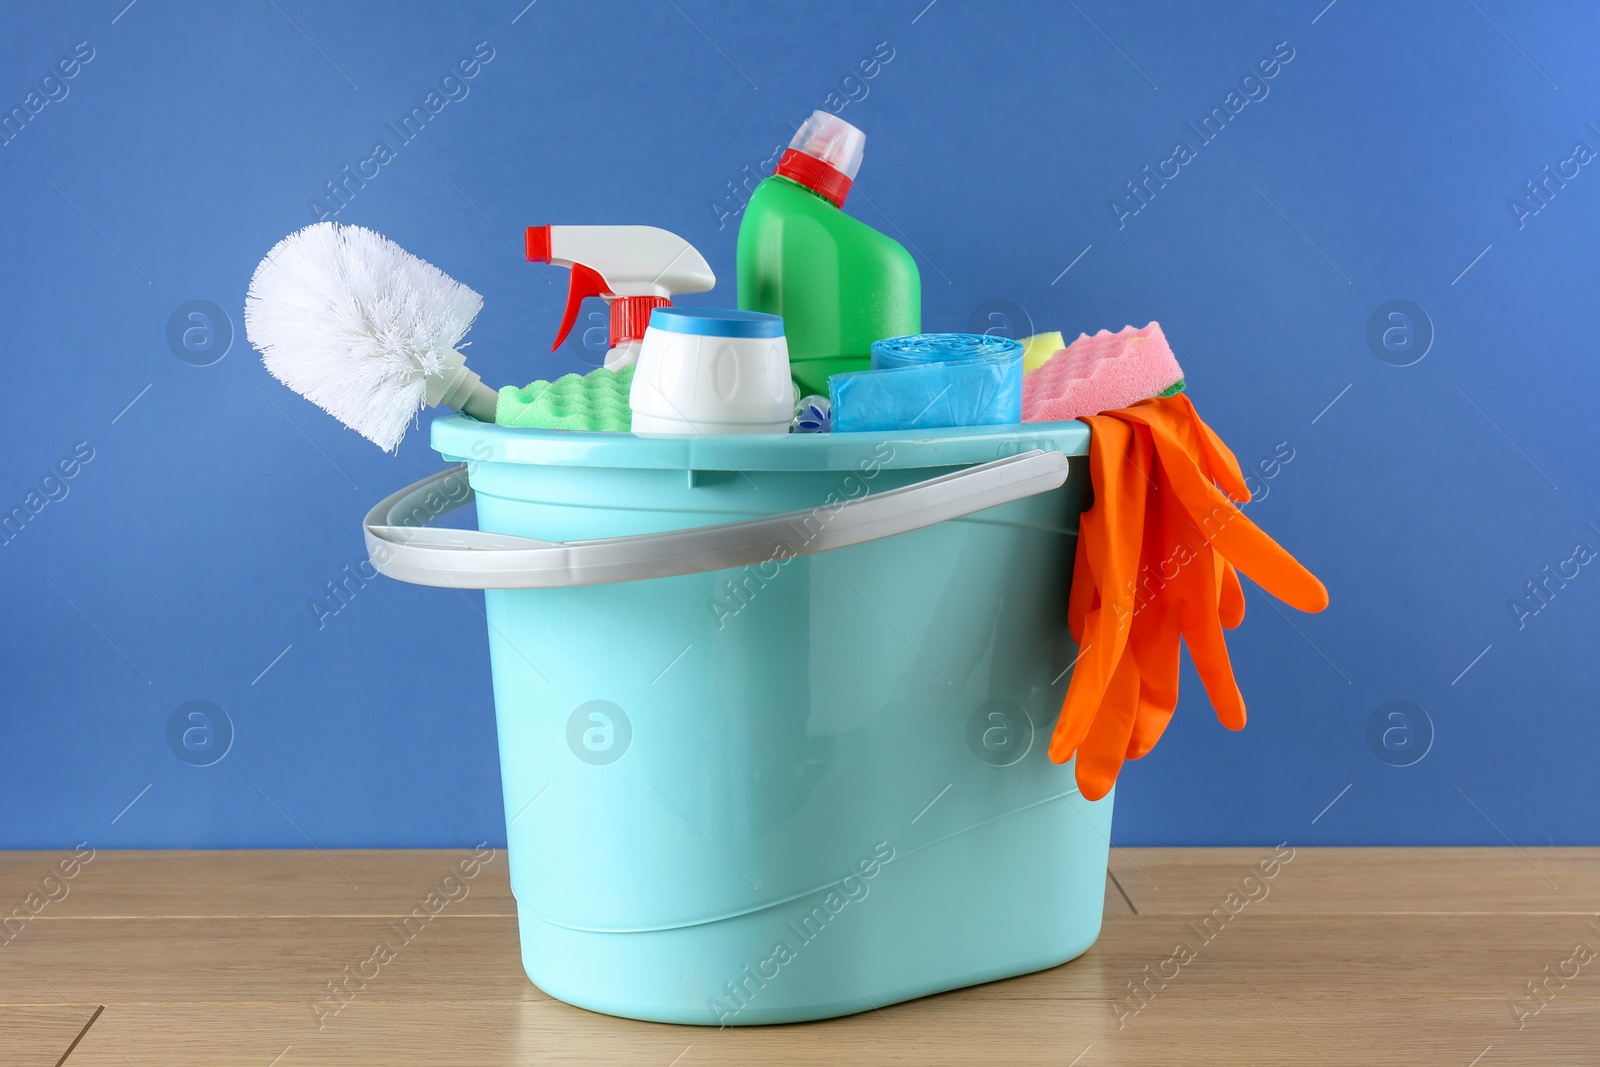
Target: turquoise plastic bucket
[790, 789]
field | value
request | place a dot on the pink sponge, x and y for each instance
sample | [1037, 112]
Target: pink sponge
[1101, 373]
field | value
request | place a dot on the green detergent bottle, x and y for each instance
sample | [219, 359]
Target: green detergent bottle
[838, 283]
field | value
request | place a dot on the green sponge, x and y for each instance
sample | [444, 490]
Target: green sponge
[594, 401]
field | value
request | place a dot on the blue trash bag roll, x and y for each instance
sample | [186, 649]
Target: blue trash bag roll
[930, 381]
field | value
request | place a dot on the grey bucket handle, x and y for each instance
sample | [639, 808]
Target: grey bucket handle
[469, 559]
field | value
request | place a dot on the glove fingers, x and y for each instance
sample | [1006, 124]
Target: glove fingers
[1202, 632]
[1086, 691]
[1210, 654]
[1154, 646]
[1111, 531]
[1154, 639]
[1238, 539]
[1101, 754]
[1230, 596]
[1194, 592]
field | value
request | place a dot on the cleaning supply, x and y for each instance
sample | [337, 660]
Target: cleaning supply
[838, 283]
[712, 370]
[702, 671]
[1100, 373]
[635, 269]
[1039, 348]
[1156, 559]
[597, 401]
[364, 329]
[812, 414]
[931, 380]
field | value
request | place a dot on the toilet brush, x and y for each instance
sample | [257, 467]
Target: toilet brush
[365, 330]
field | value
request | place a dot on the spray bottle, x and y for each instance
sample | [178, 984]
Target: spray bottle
[635, 269]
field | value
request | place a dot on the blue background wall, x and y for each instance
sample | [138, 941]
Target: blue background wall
[1379, 166]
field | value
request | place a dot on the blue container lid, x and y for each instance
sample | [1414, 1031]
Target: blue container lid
[716, 322]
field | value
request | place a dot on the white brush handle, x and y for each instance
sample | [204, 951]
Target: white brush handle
[460, 389]
[476, 399]
[483, 404]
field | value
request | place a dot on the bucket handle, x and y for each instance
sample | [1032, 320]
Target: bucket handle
[401, 546]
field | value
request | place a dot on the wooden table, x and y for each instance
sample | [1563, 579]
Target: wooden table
[1346, 956]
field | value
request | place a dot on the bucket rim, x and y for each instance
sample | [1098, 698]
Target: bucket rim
[464, 439]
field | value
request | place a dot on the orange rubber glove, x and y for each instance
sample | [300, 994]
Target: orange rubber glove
[1157, 562]
[1181, 449]
[1154, 638]
[1231, 597]
[1110, 534]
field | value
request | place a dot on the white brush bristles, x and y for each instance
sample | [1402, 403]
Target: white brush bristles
[355, 324]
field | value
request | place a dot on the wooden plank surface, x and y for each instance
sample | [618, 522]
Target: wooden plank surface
[1341, 956]
[39, 1033]
[943, 1030]
[243, 883]
[1366, 881]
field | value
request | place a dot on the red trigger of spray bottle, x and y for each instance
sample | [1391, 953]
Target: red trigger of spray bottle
[634, 269]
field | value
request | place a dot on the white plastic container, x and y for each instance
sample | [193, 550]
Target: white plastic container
[712, 371]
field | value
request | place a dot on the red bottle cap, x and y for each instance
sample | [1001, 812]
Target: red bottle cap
[826, 181]
[631, 314]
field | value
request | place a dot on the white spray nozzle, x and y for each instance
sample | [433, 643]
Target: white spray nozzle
[636, 269]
